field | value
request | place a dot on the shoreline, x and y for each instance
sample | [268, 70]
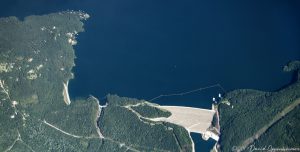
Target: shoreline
[193, 144]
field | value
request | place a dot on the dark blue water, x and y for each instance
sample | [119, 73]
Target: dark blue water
[202, 143]
[143, 49]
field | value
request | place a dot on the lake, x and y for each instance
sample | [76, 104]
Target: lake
[142, 49]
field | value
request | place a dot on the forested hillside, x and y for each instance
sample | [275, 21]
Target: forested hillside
[256, 118]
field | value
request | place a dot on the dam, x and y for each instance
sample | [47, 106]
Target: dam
[195, 120]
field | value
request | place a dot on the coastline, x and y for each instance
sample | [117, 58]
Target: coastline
[193, 144]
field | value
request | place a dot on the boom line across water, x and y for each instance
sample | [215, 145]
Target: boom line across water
[189, 92]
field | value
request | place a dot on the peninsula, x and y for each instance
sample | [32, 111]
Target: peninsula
[36, 112]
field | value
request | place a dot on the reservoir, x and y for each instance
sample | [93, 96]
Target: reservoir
[143, 49]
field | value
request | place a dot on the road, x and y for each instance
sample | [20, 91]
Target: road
[276, 118]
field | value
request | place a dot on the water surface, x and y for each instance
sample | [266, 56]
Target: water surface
[143, 49]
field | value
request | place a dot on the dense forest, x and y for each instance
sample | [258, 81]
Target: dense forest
[122, 125]
[256, 118]
[151, 111]
[36, 60]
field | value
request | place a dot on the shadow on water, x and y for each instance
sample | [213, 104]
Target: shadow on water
[202, 145]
